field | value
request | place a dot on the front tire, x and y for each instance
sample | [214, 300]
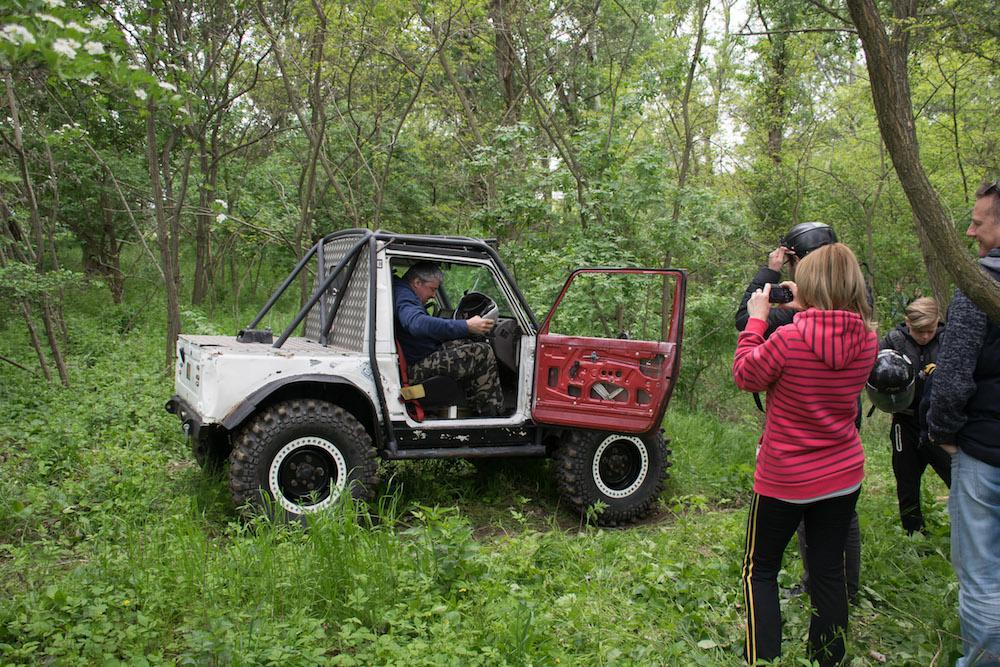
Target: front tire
[296, 457]
[625, 472]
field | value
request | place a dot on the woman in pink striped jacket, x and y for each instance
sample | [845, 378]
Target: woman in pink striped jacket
[810, 462]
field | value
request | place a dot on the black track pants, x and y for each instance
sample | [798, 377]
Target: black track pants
[909, 460]
[770, 526]
[852, 557]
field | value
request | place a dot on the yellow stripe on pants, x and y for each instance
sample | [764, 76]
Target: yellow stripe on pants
[751, 644]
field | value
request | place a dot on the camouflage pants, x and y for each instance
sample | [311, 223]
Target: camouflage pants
[473, 365]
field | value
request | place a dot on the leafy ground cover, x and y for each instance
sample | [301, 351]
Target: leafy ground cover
[115, 547]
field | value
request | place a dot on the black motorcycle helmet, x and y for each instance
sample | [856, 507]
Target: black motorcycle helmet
[891, 384]
[476, 303]
[805, 237]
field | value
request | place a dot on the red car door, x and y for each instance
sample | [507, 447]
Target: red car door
[609, 351]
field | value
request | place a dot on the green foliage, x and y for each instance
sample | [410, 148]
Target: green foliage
[20, 282]
[115, 547]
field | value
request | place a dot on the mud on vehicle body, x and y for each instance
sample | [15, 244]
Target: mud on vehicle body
[302, 418]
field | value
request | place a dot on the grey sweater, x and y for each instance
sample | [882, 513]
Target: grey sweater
[955, 378]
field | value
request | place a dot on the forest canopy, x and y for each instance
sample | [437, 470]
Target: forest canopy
[212, 143]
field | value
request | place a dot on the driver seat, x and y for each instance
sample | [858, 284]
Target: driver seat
[439, 391]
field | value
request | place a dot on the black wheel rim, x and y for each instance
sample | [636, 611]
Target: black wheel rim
[620, 464]
[307, 475]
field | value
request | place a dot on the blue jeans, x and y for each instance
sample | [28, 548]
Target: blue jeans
[974, 507]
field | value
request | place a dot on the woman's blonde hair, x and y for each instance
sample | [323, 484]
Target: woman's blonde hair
[829, 278]
[922, 314]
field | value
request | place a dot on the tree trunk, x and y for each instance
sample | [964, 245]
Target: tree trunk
[168, 248]
[49, 320]
[35, 342]
[505, 56]
[49, 323]
[886, 61]
[200, 282]
[108, 259]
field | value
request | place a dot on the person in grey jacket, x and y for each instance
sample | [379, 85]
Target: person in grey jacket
[964, 419]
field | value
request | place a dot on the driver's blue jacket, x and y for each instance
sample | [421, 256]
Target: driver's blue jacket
[418, 333]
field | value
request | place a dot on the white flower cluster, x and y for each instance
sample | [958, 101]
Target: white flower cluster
[98, 23]
[55, 3]
[66, 47]
[94, 48]
[221, 203]
[168, 86]
[16, 34]
[141, 94]
[51, 19]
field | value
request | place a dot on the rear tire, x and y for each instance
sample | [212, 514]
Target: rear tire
[296, 457]
[624, 472]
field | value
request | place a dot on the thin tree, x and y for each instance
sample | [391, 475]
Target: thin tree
[886, 58]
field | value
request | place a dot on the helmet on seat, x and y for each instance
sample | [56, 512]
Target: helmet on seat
[891, 384]
[805, 237]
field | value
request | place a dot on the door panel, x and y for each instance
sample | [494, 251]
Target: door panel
[606, 378]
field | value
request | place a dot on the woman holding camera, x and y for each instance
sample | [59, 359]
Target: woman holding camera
[810, 464]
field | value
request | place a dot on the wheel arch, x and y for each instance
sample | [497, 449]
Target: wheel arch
[331, 388]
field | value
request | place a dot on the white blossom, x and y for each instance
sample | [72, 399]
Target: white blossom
[94, 48]
[221, 203]
[98, 23]
[66, 47]
[73, 25]
[51, 19]
[17, 34]
[55, 3]
[168, 86]
[220, 218]
[141, 94]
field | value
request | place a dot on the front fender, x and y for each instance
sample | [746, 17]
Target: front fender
[283, 386]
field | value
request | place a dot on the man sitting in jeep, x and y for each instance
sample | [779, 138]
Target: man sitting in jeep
[437, 346]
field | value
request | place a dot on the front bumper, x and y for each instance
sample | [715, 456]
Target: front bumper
[190, 420]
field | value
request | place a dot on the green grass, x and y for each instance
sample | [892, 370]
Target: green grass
[115, 547]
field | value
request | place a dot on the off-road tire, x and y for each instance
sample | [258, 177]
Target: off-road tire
[624, 472]
[269, 453]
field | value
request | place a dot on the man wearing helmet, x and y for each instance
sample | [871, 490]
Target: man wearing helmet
[917, 339]
[801, 240]
[964, 419]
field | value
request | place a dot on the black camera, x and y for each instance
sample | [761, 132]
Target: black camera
[780, 294]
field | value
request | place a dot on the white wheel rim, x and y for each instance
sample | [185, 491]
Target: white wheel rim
[640, 447]
[317, 443]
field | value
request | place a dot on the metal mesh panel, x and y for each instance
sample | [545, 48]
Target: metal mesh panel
[350, 324]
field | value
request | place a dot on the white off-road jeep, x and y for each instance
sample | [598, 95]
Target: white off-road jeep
[303, 418]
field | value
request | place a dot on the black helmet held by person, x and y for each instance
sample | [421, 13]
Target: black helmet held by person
[891, 383]
[805, 237]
